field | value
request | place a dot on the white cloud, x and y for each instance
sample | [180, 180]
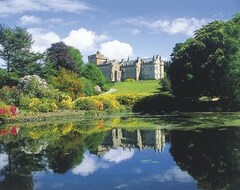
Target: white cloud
[86, 41]
[89, 165]
[134, 31]
[174, 174]
[42, 39]
[21, 6]
[83, 39]
[29, 20]
[184, 25]
[55, 21]
[118, 155]
[116, 49]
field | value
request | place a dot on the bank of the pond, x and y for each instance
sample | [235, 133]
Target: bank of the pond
[163, 103]
[56, 116]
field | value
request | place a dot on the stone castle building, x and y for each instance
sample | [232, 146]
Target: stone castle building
[139, 69]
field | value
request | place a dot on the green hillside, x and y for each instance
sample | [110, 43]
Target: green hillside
[143, 86]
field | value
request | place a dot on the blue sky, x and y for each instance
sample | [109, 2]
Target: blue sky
[118, 28]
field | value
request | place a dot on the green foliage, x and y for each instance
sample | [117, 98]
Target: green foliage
[166, 84]
[87, 103]
[208, 64]
[76, 55]
[94, 74]
[33, 86]
[42, 105]
[65, 102]
[7, 94]
[70, 83]
[130, 80]
[129, 99]
[8, 78]
[16, 50]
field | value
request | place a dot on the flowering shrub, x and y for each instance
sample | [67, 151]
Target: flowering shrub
[6, 112]
[42, 105]
[129, 99]
[87, 103]
[109, 102]
[13, 130]
[66, 102]
[32, 85]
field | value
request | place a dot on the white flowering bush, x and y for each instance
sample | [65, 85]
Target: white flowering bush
[32, 85]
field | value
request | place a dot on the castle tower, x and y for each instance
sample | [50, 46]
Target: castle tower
[97, 58]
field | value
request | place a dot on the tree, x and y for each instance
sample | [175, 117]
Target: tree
[76, 55]
[16, 51]
[208, 64]
[93, 73]
[59, 56]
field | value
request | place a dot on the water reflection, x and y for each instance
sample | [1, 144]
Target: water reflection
[211, 156]
[37, 158]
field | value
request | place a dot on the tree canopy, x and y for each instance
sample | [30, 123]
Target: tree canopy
[16, 50]
[208, 64]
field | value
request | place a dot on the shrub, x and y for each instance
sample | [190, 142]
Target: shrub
[47, 107]
[42, 105]
[6, 112]
[66, 102]
[94, 74]
[129, 99]
[166, 84]
[109, 102]
[69, 83]
[7, 94]
[130, 80]
[34, 103]
[87, 103]
[33, 86]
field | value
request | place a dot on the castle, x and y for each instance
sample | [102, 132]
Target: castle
[139, 69]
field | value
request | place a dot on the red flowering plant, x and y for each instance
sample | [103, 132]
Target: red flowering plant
[6, 113]
[9, 134]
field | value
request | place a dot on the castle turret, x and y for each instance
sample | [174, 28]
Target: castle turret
[97, 58]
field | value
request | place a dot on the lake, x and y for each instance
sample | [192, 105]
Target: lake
[180, 151]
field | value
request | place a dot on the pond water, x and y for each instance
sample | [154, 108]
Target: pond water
[129, 152]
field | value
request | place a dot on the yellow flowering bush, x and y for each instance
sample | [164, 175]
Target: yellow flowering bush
[66, 102]
[67, 128]
[109, 102]
[87, 103]
[34, 103]
[129, 99]
[42, 105]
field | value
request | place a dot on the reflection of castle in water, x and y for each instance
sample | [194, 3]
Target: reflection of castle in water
[141, 139]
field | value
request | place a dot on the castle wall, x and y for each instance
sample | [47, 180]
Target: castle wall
[111, 71]
[144, 69]
[107, 71]
[148, 72]
[130, 72]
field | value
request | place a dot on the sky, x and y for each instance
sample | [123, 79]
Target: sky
[116, 28]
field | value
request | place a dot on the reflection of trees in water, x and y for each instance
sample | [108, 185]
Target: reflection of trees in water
[212, 157]
[62, 155]
[17, 174]
[66, 152]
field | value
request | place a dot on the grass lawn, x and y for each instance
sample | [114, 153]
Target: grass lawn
[143, 86]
